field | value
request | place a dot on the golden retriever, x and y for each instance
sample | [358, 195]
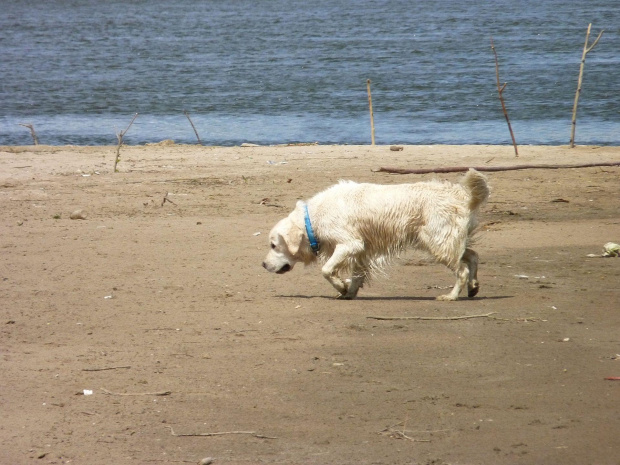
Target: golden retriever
[357, 228]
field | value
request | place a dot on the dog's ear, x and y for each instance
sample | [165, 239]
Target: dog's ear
[293, 238]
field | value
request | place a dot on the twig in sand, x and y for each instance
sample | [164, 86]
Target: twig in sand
[120, 136]
[500, 90]
[104, 369]
[586, 50]
[222, 433]
[401, 434]
[372, 116]
[166, 199]
[462, 317]
[193, 127]
[161, 393]
[32, 133]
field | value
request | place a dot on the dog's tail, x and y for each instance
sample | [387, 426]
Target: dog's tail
[476, 184]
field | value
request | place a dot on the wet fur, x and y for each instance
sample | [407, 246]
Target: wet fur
[362, 227]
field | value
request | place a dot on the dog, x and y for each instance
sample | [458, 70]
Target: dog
[354, 230]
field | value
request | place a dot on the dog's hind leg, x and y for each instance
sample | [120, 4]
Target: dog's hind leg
[471, 258]
[336, 262]
[462, 277]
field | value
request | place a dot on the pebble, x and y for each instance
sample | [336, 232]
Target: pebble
[78, 215]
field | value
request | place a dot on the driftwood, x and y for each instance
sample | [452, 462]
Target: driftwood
[437, 318]
[372, 116]
[500, 91]
[586, 50]
[32, 132]
[221, 433]
[193, 127]
[105, 369]
[120, 135]
[161, 393]
[459, 169]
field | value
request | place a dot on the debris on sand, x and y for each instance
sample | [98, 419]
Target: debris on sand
[610, 249]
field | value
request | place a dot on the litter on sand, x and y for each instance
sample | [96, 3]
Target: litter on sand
[611, 249]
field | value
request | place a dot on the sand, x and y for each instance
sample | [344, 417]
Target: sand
[145, 331]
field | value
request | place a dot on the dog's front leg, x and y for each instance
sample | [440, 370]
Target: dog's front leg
[354, 283]
[334, 264]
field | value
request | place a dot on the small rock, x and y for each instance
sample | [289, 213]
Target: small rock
[206, 461]
[396, 148]
[78, 215]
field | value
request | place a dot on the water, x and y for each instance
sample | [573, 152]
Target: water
[280, 71]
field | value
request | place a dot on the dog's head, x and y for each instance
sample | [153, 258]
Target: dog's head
[289, 245]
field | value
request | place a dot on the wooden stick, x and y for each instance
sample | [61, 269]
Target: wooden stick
[459, 169]
[120, 136]
[32, 133]
[586, 50]
[462, 317]
[104, 369]
[222, 433]
[161, 393]
[193, 127]
[166, 199]
[372, 117]
[500, 90]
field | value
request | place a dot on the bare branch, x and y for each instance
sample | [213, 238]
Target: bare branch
[222, 433]
[462, 317]
[372, 116]
[105, 369]
[32, 132]
[461, 169]
[586, 50]
[500, 90]
[161, 393]
[596, 41]
[193, 127]
[120, 135]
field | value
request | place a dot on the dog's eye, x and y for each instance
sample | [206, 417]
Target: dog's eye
[273, 246]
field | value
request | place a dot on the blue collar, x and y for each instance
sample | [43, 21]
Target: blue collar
[313, 242]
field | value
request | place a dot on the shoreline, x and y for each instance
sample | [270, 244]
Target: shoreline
[420, 154]
[363, 162]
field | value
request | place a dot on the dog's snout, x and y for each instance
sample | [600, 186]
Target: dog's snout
[284, 269]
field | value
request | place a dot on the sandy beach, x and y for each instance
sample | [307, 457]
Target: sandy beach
[145, 331]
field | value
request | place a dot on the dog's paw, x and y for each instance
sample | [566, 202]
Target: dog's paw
[473, 290]
[447, 298]
[349, 295]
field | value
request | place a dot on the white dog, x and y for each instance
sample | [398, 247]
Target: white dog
[357, 228]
